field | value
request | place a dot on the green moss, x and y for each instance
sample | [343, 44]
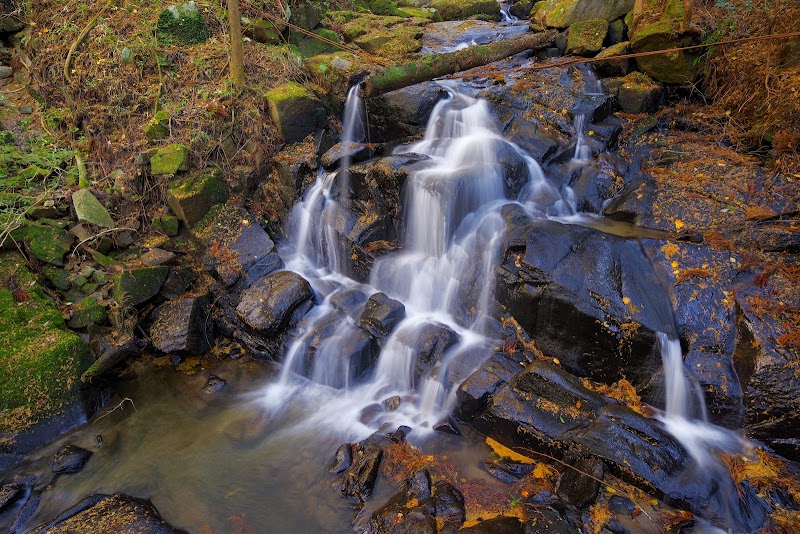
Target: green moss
[587, 37]
[158, 127]
[191, 197]
[424, 13]
[288, 91]
[135, 286]
[170, 160]
[182, 23]
[311, 47]
[464, 9]
[47, 243]
[40, 360]
[87, 312]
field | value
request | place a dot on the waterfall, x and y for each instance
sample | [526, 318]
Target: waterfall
[582, 153]
[443, 272]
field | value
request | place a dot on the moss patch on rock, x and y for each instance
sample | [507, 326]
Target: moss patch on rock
[182, 23]
[295, 110]
[170, 160]
[40, 360]
[191, 197]
[464, 9]
[48, 244]
[586, 38]
[135, 286]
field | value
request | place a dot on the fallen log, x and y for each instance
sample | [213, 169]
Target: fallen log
[437, 65]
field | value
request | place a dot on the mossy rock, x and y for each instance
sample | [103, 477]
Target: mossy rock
[614, 67]
[182, 23]
[635, 93]
[674, 67]
[464, 9]
[166, 224]
[89, 210]
[190, 198]
[586, 38]
[295, 110]
[170, 160]
[48, 244]
[424, 13]
[311, 47]
[40, 359]
[157, 128]
[58, 277]
[136, 286]
[396, 42]
[263, 31]
[87, 312]
[366, 23]
[564, 13]
[306, 15]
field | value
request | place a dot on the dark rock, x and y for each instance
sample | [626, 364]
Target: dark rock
[404, 112]
[183, 326]
[26, 512]
[157, 256]
[214, 384]
[177, 283]
[274, 302]
[381, 314]
[635, 93]
[392, 403]
[370, 413]
[354, 151]
[295, 110]
[359, 479]
[429, 342]
[349, 301]
[574, 486]
[237, 248]
[343, 459]
[69, 459]
[507, 471]
[399, 435]
[621, 505]
[447, 426]
[10, 494]
[136, 286]
[110, 513]
[496, 525]
[476, 391]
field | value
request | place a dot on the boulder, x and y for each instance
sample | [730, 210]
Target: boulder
[263, 31]
[170, 160]
[381, 314]
[157, 256]
[563, 13]
[614, 67]
[274, 302]
[236, 247]
[356, 152]
[183, 326]
[89, 210]
[680, 67]
[428, 341]
[295, 111]
[464, 9]
[47, 243]
[309, 46]
[41, 361]
[69, 459]
[306, 15]
[110, 513]
[395, 42]
[586, 38]
[191, 197]
[358, 479]
[136, 286]
[404, 112]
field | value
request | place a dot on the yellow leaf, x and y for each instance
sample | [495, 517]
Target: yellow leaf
[678, 224]
[626, 300]
[504, 452]
[544, 471]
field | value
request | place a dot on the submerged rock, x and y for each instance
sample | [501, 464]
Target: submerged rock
[381, 314]
[69, 459]
[117, 513]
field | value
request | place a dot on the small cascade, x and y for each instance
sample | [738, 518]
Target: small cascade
[583, 153]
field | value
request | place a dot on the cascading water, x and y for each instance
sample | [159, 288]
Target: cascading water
[582, 153]
[443, 272]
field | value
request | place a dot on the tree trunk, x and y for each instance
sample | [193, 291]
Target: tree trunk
[437, 65]
[237, 56]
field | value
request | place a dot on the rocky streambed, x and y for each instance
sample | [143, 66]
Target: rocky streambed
[537, 405]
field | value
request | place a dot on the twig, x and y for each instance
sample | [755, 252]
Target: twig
[80, 38]
[118, 406]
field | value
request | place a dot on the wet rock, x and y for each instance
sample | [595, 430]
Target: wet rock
[346, 352]
[399, 435]
[349, 301]
[447, 426]
[621, 505]
[404, 112]
[354, 151]
[249, 430]
[392, 403]
[295, 111]
[543, 406]
[464, 9]
[69, 459]
[381, 314]
[588, 297]
[574, 486]
[214, 384]
[237, 248]
[89, 210]
[136, 286]
[274, 302]
[586, 37]
[561, 13]
[26, 512]
[170, 160]
[370, 413]
[475, 393]
[614, 67]
[429, 342]
[342, 460]
[156, 256]
[359, 479]
[110, 513]
[190, 198]
[183, 326]
[10, 494]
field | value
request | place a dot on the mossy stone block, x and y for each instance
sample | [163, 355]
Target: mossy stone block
[47, 243]
[564, 13]
[311, 47]
[87, 312]
[295, 110]
[614, 67]
[190, 198]
[674, 67]
[89, 210]
[158, 127]
[135, 286]
[58, 277]
[586, 38]
[40, 360]
[170, 160]
[167, 224]
[263, 31]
